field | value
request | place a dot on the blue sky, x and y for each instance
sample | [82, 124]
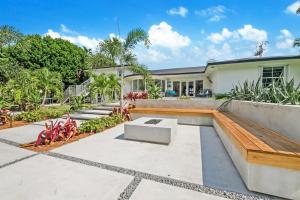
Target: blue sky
[182, 33]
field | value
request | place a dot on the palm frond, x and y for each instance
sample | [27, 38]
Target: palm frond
[135, 36]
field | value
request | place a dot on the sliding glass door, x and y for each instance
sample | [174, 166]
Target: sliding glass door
[176, 88]
[183, 88]
[191, 88]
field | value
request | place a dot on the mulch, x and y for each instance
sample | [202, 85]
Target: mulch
[43, 148]
[14, 124]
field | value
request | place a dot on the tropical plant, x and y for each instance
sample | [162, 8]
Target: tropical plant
[49, 82]
[114, 87]
[132, 96]
[99, 85]
[76, 103]
[278, 92]
[261, 48]
[9, 35]
[154, 91]
[144, 72]
[97, 125]
[121, 51]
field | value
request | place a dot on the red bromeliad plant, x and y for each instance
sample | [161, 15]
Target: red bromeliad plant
[132, 96]
[124, 112]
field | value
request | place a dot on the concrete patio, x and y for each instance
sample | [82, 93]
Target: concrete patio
[106, 166]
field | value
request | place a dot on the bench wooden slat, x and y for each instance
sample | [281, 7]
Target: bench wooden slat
[266, 137]
[172, 111]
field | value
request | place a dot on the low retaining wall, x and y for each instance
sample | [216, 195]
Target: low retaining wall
[262, 178]
[284, 119]
[178, 103]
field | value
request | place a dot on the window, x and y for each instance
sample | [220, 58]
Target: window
[199, 88]
[138, 85]
[134, 85]
[272, 74]
[141, 86]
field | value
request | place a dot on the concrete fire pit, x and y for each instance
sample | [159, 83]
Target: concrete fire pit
[157, 130]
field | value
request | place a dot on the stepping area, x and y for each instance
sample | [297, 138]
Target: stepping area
[44, 177]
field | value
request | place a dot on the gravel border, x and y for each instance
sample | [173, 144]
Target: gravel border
[160, 179]
[18, 160]
[128, 191]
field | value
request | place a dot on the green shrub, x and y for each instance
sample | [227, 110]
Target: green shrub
[277, 92]
[154, 91]
[185, 97]
[43, 113]
[98, 125]
[219, 96]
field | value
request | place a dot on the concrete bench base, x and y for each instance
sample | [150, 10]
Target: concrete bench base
[267, 179]
[162, 132]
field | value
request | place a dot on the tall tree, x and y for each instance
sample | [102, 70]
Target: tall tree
[49, 83]
[35, 52]
[9, 35]
[121, 51]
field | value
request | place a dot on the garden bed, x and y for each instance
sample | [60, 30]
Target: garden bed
[43, 148]
[14, 124]
[86, 129]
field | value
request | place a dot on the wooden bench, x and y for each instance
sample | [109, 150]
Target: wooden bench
[258, 144]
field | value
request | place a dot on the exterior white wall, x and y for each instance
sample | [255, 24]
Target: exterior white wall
[284, 119]
[189, 104]
[224, 77]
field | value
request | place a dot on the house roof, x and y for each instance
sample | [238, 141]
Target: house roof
[176, 71]
[182, 70]
[253, 59]
[202, 69]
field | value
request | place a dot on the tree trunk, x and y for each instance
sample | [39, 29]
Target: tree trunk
[44, 98]
[122, 83]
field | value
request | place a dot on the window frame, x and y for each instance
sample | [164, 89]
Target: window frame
[272, 77]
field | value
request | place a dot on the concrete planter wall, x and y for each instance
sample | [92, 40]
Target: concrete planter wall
[177, 103]
[284, 119]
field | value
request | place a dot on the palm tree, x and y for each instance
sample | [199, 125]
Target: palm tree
[49, 82]
[142, 70]
[114, 86]
[121, 51]
[298, 11]
[99, 85]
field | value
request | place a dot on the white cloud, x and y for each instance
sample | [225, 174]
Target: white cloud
[286, 40]
[163, 35]
[80, 40]
[219, 37]
[215, 13]
[182, 11]
[292, 9]
[151, 55]
[252, 34]
[225, 52]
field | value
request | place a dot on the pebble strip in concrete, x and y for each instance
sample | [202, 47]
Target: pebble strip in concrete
[126, 194]
[18, 160]
[9, 142]
[141, 175]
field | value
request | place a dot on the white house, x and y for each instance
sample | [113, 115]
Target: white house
[216, 76]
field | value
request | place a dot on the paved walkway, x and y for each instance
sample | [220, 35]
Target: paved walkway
[105, 166]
